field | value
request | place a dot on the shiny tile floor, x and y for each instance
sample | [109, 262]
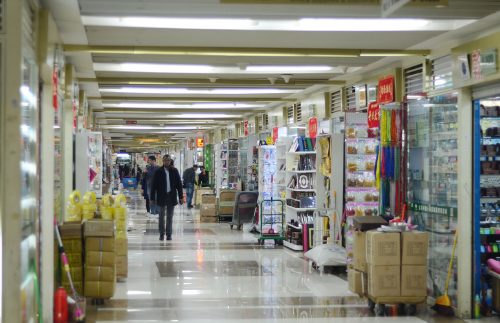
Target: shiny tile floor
[210, 273]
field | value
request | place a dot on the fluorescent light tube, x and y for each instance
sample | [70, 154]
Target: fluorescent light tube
[288, 69]
[160, 90]
[334, 24]
[152, 68]
[148, 127]
[221, 105]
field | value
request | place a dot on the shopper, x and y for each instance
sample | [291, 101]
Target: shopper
[203, 180]
[189, 180]
[165, 190]
[153, 167]
[144, 186]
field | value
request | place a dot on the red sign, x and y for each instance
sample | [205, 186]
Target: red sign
[245, 127]
[476, 64]
[373, 115]
[130, 121]
[199, 142]
[313, 127]
[275, 134]
[55, 81]
[386, 90]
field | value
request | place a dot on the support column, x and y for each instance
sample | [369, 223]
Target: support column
[465, 214]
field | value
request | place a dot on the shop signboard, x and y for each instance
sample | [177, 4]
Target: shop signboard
[488, 61]
[434, 209]
[386, 90]
[373, 115]
[313, 127]
[275, 134]
[199, 142]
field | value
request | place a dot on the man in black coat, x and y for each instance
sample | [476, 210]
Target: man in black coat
[165, 190]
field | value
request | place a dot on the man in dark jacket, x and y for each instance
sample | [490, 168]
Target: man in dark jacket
[165, 190]
[189, 179]
[152, 168]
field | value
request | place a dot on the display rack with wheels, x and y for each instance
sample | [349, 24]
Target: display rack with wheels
[406, 305]
[272, 221]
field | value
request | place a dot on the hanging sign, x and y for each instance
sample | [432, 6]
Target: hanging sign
[130, 122]
[275, 134]
[386, 90]
[245, 127]
[313, 127]
[373, 115]
[199, 142]
[476, 64]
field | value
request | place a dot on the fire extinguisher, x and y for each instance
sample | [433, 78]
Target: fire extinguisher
[60, 306]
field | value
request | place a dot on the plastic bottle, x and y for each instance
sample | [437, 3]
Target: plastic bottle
[477, 307]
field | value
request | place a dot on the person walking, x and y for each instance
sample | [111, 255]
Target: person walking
[151, 169]
[166, 193]
[189, 180]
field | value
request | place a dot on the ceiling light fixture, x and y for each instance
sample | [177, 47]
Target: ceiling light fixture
[289, 69]
[220, 91]
[220, 105]
[121, 127]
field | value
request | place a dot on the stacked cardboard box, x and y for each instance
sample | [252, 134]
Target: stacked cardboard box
[357, 273]
[71, 236]
[208, 211]
[397, 264]
[199, 194]
[227, 202]
[100, 273]
[121, 251]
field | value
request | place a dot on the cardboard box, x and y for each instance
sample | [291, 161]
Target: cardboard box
[99, 244]
[357, 282]
[366, 223]
[384, 281]
[227, 195]
[208, 210]
[121, 266]
[414, 248]
[72, 245]
[76, 274]
[101, 274]
[99, 259]
[208, 199]
[78, 286]
[75, 259]
[70, 230]
[359, 251]
[121, 247]
[99, 289]
[226, 210]
[99, 228]
[413, 281]
[209, 219]
[200, 192]
[383, 248]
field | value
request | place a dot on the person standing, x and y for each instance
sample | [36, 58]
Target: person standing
[203, 180]
[166, 193]
[189, 180]
[152, 168]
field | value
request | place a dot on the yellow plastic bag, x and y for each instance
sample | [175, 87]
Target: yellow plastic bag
[74, 207]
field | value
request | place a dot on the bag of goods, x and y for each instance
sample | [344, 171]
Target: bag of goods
[89, 205]
[74, 207]
[120, 215]
[107, 209]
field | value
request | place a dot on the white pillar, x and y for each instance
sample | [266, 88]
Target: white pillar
[67, 148]
[465, 214]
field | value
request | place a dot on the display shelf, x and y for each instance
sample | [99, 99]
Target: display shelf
[301, 152]
[300, 189]
[300, 209]
[303, 171]
[490, 199]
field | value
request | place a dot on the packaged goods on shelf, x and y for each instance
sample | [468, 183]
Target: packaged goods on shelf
[98, 228]
[74, 207]
[413, 280]
[383, 248]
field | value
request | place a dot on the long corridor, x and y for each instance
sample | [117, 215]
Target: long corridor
[210, 273]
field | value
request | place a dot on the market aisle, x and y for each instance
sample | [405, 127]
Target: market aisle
[209, 273]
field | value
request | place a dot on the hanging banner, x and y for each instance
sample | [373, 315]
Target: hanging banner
[476, 64]
[313, 127]
[275, 134]
[386, 90]
[245, 128]
[373, 115]
[55, 86]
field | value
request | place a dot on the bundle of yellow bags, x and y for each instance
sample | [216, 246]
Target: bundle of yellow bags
[120, 215]
[107, 209]
[74, 207]
[89, 206]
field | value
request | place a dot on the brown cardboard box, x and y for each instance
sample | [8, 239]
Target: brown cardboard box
[99, 228]
[383, 249]
[413, 280]
[99, 244]
[414, 248]
[99, 289]
[357, 282]
[208, 199]
[208, 210]
[121, 247]
[78, 286]
[227, 195]
[70, 230]
[99, 259]
[72, 245]
[121, 266]
[102, 274]
[76, 274]
[200, 192]
[209, 219]
[75, 259]
[359, 251]
[227, 210]
[384, 281]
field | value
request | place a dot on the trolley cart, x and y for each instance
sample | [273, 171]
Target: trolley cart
[406, 305]
[272, 217]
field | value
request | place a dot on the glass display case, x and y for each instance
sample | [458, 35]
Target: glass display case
[432, 182]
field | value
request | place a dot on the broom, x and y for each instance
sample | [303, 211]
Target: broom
[443, 303]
